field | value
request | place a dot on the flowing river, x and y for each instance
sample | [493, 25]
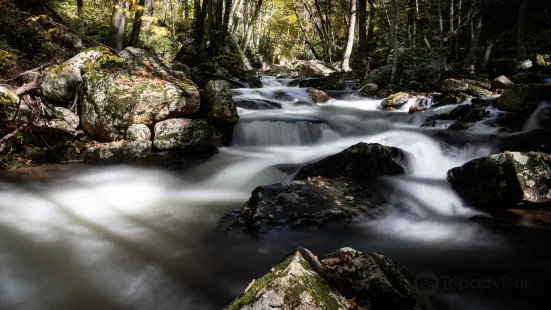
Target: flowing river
[83, 237]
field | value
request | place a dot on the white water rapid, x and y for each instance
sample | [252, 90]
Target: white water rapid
[123, 237]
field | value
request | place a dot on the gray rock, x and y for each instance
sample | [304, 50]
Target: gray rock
[58, 121]
[452, 85]
[61, 81]
[396, 100]
[315, 68]
[524, 64]
[118, 152]
[292, 284]
[503, 180]
[379, 76]
[359, 162]
[128, 94]
[523, 98]
[368, 90]
[138, 132]
[182, 133]
[501, 82]
[318, 96]
[219, 106]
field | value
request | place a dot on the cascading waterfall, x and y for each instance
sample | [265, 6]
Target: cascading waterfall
[134, 238]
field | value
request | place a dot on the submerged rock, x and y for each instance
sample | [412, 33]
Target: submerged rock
[318, 96]
[118, 152]
[307, 203]
[304, 281]
[257, 104]
[523, 97]
[503, 180]
[359, 162]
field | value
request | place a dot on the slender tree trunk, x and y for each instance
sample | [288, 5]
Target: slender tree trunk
[371, 26]
[521, 50]
[487, 52]
[440, 23]
[416, 16]
[138, 21]
[362, 24]
[117, 25]
[395, 41]
[469, 60]
[256, 16]
[227, 13]
[306, 37]
[348, 52]
[80, 14]
[459, 4]
[452, 19]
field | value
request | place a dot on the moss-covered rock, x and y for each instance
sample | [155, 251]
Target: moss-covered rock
[395, 100]
[9, 103]
[318, 96]
[185, 134]
[117, 95]
[359, 162]
[138, 132]
[453, 86]
[118, 152]
[503, 180]
[219, 108]
[292, 284]
[523, 97]
[477, 91]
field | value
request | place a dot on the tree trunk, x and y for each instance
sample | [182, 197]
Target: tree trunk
[138, 21]
[117, 25]
[440, 23]
[350, 44]
[521, 49]
[395, 41]
[306, 37]
[254, 20]
[459, 4]
[416, 16]
[452, 39]
[362, 24]
[80, 14]
[487, 53]
[227, 13]
[469, 60]
[371, 26]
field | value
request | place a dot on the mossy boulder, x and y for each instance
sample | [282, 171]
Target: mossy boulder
[60, 82]
[477, 91]
[504, 180]
[453, 86]
[9, 103]
[118, 152]
[359, 162]
[523, 98]
[395, 100]
[304, 281]
[219, 108]
[450, 99]
[318, 96]
[117, 95]
[185, 134]
[292, 284]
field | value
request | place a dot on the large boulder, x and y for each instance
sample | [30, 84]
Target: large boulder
[60, 82]
[315, 68]
[368, 90]
[117, 95]
[501, 82]
[535, 140]
[294, 283]
[523, 98]
[312, 202]
[503, 180]
[379, 76]
[359, 162]
[9, 102]
[138, 132]
[453, 86]
[219, 108]
[185, 134]
[118, 152]
[304, 281]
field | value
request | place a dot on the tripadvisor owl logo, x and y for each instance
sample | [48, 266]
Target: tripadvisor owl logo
[428, 283]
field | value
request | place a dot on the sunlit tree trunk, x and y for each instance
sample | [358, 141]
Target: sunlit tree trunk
[521, 50]
[142, 19]
[254, 20]
[350, 44]
[117, 25]
[306, 36]
[440, 23]
[396, 7]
